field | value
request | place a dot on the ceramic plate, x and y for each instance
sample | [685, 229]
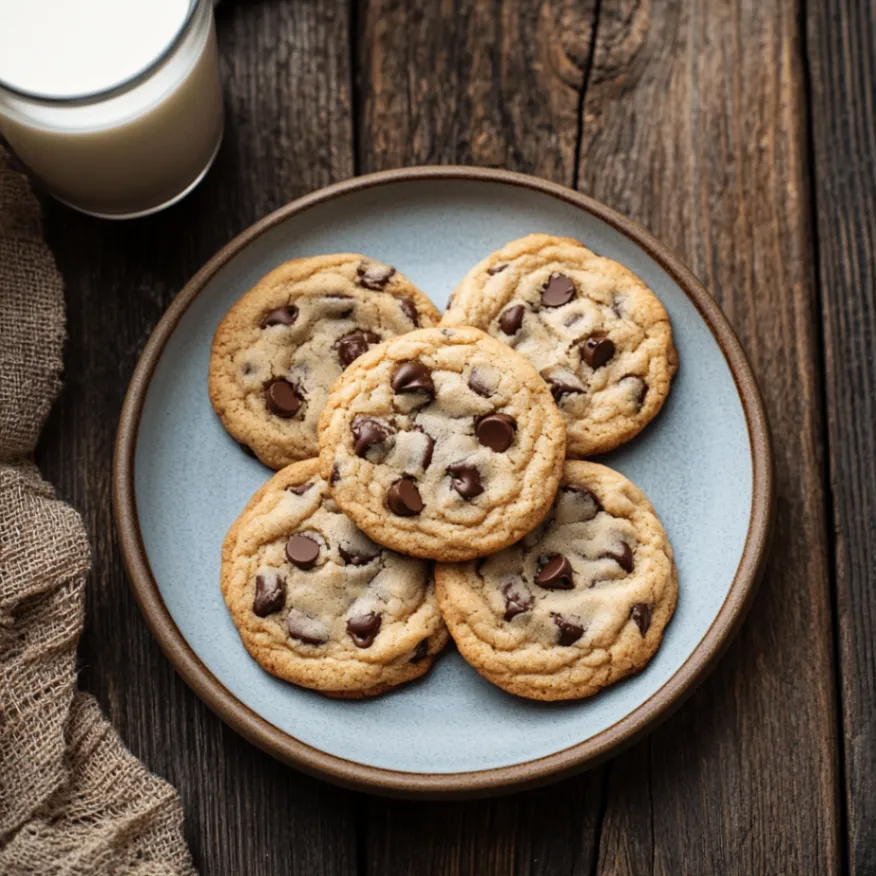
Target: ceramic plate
[181, 482]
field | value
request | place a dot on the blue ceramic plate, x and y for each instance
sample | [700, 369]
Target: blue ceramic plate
[181, 482]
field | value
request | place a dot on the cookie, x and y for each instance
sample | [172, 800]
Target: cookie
[442, 443]
[285, 342]
[578, 604]
[594, 331]
[319, 604]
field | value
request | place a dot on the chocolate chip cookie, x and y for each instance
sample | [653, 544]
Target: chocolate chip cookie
[283, 344]
[442, 443]
[319, 604]
[578, 604]
[594, 331]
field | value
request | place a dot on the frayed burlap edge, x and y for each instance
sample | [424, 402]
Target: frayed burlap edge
[73, 800]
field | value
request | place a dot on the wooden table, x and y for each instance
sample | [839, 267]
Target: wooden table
[742, 134]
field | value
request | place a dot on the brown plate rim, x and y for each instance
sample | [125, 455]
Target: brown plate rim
[583, 755]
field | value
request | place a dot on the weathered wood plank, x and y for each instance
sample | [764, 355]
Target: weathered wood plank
[547, 831]
[287, 83]
[842, 57]
[694, 124]
[488, 83]
[496, 84]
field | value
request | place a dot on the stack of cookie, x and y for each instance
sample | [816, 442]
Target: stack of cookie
[404, 437]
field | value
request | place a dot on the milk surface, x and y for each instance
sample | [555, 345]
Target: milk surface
[71, 48]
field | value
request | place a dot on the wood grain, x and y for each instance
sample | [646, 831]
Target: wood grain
[548, 831]
[842, 60]
[496, 84]
[287, 82]
[694, 125]
[692, 121]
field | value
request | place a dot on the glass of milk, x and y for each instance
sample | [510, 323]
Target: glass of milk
[115, 106]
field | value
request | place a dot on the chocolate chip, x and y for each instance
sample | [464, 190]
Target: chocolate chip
[373, 275]
[641, 614]
[281, 316]
[303, 627]
[477, 383]
[351, 346]
[465, 479]
[563, 382]
[335, 475]
[569, 321]
[558, 290]
[623, 557]
[353, 556]
[638, 388]
[335, 310]
[556, 574]
[409, 309]
[282, 398]
[421, 652]
[302, 551]
[586, 501]
[404, 498]
[248, 368]
[511, 319]
[367, 433]
[583, 492]
[569, 631]
[300, 489]
[496, 431]
[518, 599]
[413, 377]
[496, 269]
[363, 629]
[575, 506]
[430, 447]
[270, 594]
[596, 350]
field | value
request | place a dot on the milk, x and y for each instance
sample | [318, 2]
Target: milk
[114, 105]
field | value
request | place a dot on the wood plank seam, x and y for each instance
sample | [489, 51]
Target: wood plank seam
[841, 79]
[354, 38]
[593, 868]
[827, 476]
[585, 82]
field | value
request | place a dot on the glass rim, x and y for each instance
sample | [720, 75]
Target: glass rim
[119, 87]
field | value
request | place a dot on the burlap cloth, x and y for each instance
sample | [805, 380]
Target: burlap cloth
[72, 798]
